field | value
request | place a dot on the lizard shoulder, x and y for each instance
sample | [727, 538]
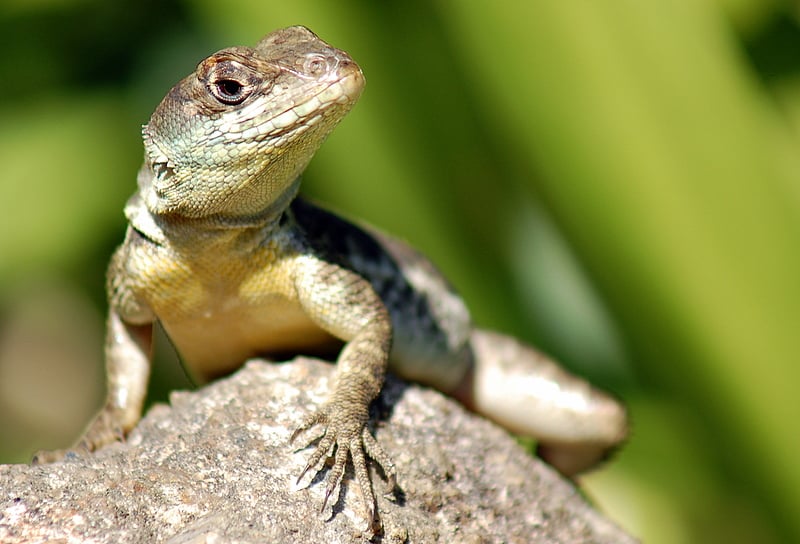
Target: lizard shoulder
[431, 323]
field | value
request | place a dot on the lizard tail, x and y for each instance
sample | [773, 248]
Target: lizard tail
[575, 424]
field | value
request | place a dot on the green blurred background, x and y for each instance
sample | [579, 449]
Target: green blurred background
[616, 181]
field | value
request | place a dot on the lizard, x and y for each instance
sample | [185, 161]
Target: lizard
[222, 252]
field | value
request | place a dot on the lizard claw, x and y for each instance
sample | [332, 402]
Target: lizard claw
[45, 457]
[351, 438]
[103, 430]
[309, 421]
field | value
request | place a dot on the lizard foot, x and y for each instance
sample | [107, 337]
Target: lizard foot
[103, 430]
[347, 431]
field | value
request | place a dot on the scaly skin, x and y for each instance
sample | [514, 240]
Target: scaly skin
[222, 254]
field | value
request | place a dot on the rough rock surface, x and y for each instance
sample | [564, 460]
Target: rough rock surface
[216, 467]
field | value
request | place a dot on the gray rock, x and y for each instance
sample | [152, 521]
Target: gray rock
[216, 467]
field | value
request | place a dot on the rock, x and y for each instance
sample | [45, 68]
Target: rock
[216, 467]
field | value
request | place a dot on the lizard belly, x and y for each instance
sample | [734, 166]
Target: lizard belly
[218, 311]
[219, 340]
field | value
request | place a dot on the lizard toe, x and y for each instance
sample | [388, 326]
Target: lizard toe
[349, 436]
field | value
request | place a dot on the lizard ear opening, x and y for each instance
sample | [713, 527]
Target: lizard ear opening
[162, 171]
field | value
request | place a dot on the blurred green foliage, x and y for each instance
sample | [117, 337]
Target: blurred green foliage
[616, 181]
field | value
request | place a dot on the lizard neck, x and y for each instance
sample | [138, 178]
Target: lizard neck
[164, 228]
[269, 215]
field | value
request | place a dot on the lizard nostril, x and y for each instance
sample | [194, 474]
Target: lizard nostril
[315, 65]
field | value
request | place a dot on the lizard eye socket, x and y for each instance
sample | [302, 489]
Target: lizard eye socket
[229, 91]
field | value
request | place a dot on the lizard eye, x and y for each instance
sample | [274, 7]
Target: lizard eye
[229, 91]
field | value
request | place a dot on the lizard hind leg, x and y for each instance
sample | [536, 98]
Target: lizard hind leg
[575, 424]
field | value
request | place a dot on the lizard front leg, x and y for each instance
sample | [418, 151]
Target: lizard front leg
[345, 305]
[128, 346]
[128, 370]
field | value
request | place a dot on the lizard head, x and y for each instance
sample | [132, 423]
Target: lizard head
[231, 139]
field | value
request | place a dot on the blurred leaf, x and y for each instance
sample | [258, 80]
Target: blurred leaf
[666, 167]
[67, 170]
[750, 15]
